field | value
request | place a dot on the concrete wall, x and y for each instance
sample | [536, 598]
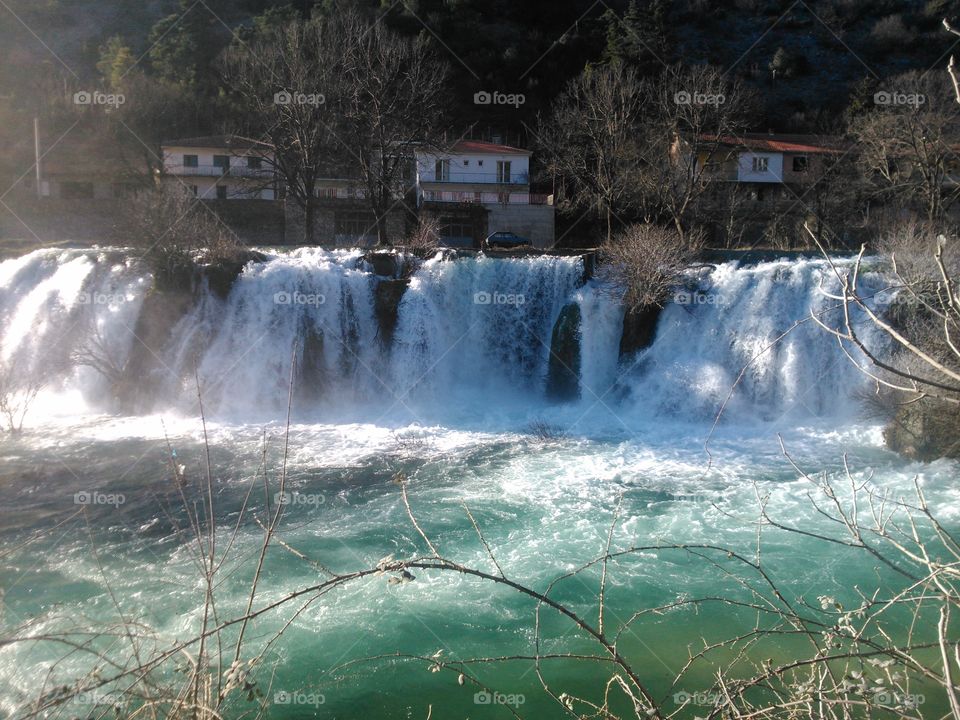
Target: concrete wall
[536, 222]
[325, 224]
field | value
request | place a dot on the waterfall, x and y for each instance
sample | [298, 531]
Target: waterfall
[473, 334]
[65, 312]
[480, 327]
[310, 306]
[755, 320]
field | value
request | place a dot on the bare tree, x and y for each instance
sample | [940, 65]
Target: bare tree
[174, 230]
[643, 263]
[694, 121]
[592, 141]
[285, 80]
[915, 364]
[425, 235]
[391, 101]
[906, 142]
[340, 97]
[19, 387]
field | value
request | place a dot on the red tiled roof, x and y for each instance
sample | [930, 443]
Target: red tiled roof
[808, 144]
[477, 146]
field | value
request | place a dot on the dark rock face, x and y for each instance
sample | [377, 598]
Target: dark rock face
[220, 276]
[311, 381]
[639, 329]
[386, 306]
[174, 294]
[159, 315]
[383, 263]
[563, 377]
[925, 430]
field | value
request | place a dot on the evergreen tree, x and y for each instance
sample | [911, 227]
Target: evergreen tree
[115, 62]
[183, 45]
[639, 37]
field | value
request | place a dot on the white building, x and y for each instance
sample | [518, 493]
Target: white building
[476, 188]
[222, 167]
[473, 188]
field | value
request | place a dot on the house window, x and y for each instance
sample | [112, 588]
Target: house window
[221, 161]
[442, 171]
[221, 192]
[191, 161]
[761, 164]
[254, 163]
[480, 163]
[466, 163]
[194, 189]
[503, 171]
[800, 164]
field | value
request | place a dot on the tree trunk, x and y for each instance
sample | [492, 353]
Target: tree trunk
[678, 224]
[308, 218]
[381, 210]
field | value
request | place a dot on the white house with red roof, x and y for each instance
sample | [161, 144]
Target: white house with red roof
[769, 157]
[476, 188]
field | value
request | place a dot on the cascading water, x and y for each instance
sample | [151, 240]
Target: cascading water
[481, 326]
[67, 319]
[755, 320]
[318, 303]
[475, 330]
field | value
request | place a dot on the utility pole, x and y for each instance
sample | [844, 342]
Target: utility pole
[36, 152]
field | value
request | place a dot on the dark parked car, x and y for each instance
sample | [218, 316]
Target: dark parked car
[506, 240]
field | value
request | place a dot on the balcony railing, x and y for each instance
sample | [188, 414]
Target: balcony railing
[220, 171]
[488, 198]
[455, 175]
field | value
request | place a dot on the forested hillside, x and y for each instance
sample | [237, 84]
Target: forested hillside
[531, 47]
